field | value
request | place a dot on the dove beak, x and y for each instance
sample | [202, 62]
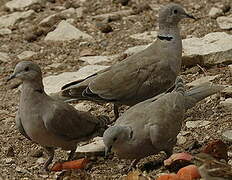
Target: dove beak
[10, 77]
[107, 150]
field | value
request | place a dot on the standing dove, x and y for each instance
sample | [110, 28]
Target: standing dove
[140, 76]
[153, 125]
[49, 122]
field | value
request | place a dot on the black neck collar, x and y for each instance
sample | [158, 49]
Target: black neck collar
[166, 38]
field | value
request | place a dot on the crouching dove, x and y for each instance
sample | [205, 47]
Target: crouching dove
[49, 122]
[153, 125]
[140, 76]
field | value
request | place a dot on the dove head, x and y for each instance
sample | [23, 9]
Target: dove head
[116, 135]
[26, 71]
[171, 14]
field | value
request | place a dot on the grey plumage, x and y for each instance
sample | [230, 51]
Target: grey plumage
[140, 76]
[152, 126]
[49, 122]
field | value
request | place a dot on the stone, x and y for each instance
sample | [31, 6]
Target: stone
[181, 139]
[94, 147]
[213, 48]
[132, 50]
[227, 92]
[146, 36]
[230, 68]
[79, 12]
[83, 106]
[20, 4]
[9, 160]
[215, 12]
[5, 31]
[227, 135]
[113, 15]
[195, 124]
[4, 57]
[40, 160]
[53, 83]
[68, 12]
[201, 80]
[36, 153]
[225, 22]
[11, 19]
[65, 32]
[97, 59]
[26, 55]
[227, 104]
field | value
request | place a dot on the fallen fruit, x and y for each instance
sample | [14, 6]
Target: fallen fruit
[76, 164]
[168, 177]
[189, 172]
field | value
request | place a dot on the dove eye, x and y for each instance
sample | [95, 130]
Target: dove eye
[114, 139]
[26, 69]
[175, 11]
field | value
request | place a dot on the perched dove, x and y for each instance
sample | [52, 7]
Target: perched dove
[153, 125]
[49, 122]
[140, 76]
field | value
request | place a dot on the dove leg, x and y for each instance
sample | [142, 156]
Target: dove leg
[72, 154]
[116, 111]
[50, 152]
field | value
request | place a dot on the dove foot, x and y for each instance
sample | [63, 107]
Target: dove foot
[50, 152]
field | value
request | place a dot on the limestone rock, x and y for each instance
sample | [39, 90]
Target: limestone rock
[227, 104]
[213, 48]
[215, 12]
[5, 31]
[97, 59]
[201, 80]
[26, 55]
[53, 84]
[146, 36]
[65, 32]
[227, 135]
[11, 19]
[195, 124]
[4, 57]
[20, 4]
[225, 22]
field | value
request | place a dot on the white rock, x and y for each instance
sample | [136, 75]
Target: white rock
[215, 12]
[83, 106]
[96, 146]
[9, 160]
[227, 92]
[40, 160]
[47, 19]
[135, 49]
[53, 84]
[55, 65]
[11, 19]
[227, 135]
[194, 124]
[5, 31]
[227, 104]
[68, 12]
[121, 13]
[213, 48]
[20, 4]
[230, 67]
[181, 139]
[4, 57]
[96, 59]
[201, 80]
[79, 12]
[146, 36]
[65, 32]
[225, 22]
[26, 55]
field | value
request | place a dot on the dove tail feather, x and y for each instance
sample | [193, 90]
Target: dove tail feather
[200, 92]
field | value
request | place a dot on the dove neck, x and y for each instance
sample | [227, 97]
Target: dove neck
[35, 85]
[169, 31]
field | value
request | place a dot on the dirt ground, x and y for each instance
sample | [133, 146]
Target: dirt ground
[22, 164]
